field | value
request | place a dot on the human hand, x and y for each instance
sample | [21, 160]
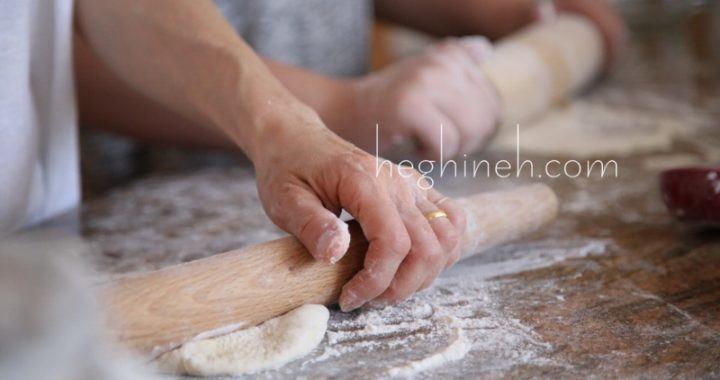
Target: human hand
[307, 176]
[607, 19]
[411, 99]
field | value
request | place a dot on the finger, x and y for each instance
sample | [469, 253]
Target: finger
[425, 259]
[457, 217]
[299, 212]
[469, 100]
[474, 112]
[388, 239]
[445, 231]
[437, 136]
[447, 235]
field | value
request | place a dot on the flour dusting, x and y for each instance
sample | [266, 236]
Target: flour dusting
[455, 351]
[461, 322]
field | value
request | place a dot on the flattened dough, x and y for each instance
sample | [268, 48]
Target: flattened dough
[586, 129]
[266, 346]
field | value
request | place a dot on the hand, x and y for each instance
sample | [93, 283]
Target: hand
[411, 99]
[605, 16]
[306, 177]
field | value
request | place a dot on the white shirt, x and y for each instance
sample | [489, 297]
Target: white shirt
[39, 172]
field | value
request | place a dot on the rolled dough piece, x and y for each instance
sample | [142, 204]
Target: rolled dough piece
[588, 129]
[266, 346]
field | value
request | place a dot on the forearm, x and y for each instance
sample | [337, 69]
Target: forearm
[491, 18]
[182, 54]
[106, 102]
[332, 98]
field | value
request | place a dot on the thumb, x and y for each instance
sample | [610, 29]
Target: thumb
[322, 233]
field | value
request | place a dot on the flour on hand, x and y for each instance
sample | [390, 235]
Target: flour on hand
[266, 346]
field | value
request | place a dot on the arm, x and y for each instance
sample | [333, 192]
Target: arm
[491, 18]
[183, 55]
[496, 18]
[108, 102]
[409, 100]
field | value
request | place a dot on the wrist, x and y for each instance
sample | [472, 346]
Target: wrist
[340, 109]
[280, 129]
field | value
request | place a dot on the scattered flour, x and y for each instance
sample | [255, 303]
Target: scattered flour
[158, 223]
[460, 320]
[455, 351]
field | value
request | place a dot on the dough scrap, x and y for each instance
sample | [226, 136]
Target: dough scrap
[266, 346]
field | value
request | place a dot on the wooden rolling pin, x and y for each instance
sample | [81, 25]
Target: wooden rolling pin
[544, 64]
[157, 311]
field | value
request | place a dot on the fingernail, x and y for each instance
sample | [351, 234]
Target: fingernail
[349, 301]
[334, 242]
[337, 250]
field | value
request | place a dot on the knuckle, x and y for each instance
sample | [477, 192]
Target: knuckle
[401, 184]
[361, 180]
[406, 201]
[430, 256]
[399, 243]
[394, 294]
[375, 283]
[460, 221]
[408, 102]
[391, 294]
[363, 162]
[430, 75]
[449, 237]
[425, 74]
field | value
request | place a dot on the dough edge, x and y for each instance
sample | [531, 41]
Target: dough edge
[269, 345]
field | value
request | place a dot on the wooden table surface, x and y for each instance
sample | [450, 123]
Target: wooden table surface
[614, 288]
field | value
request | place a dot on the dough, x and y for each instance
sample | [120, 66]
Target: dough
[587, 129]
[266, 346]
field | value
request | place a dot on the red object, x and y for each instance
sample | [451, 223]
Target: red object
[692, 194]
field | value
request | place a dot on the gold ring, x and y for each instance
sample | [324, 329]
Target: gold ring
[435, 214]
